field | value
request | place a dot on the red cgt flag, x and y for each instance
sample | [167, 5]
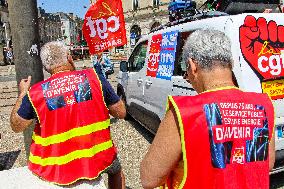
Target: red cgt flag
[104, 26]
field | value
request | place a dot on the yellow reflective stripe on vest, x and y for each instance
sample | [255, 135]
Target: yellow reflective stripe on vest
[80, 131]
[61, 160]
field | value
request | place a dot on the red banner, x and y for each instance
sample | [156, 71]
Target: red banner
[104, 26]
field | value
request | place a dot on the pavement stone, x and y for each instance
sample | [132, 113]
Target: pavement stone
[130, 138]
[22, 178]
[125, 134]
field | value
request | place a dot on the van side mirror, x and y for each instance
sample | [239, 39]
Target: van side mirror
[124, 66]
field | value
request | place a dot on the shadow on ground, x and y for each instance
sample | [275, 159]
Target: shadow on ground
[8, 159]
[142, 130]
[277, 180]
[113, 120]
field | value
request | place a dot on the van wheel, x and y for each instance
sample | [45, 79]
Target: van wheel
[121, 94]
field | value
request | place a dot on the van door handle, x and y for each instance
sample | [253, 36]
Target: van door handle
[139, 81]
[148, 83]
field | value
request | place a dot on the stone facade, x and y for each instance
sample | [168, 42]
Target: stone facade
[69, 27]
[59, 26]
[49, 26]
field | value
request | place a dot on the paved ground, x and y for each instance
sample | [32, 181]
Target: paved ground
[128, 135]
[130, 138]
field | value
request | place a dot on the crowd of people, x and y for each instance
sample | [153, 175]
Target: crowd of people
[72, 139]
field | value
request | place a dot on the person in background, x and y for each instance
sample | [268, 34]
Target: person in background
[221, 138]
[102, 64]
[98, 63]
[71, 139]
[107, 66]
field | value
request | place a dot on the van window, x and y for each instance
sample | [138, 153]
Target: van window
[137, 58]
[180, 68]
[179, 64]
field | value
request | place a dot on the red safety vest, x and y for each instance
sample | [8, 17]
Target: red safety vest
[72, 138]
[225, 137]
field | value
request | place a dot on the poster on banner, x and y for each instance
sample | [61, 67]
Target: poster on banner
[167, 55]
[263, 54]
[104, 26]
[154, 55]
[66, 91]
[259, 49]
[133, 39]
[162, 53]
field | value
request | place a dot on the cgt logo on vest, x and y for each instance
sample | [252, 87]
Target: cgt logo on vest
[262, 46]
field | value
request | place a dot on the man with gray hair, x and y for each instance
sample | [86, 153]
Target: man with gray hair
[71, 139]
[221, 138]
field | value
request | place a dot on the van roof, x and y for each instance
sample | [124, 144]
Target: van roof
[199, 16]
[190, 18]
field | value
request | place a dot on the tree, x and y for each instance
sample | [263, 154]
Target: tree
[25, 33]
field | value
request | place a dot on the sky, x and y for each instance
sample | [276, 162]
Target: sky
[67, 6]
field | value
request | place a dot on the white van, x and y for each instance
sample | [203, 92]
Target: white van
[258, 53]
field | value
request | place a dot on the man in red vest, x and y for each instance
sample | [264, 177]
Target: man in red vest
[222, 138]
[71, 139]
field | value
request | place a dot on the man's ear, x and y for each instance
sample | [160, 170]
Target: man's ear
[192, 67]
[69, 58]
[71, 62]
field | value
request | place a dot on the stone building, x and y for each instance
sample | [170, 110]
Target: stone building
[49, 26]
[59, 26]
[141, 16]
[69, 27]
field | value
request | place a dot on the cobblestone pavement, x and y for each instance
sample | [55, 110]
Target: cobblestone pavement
[131, 145]
[130, 138]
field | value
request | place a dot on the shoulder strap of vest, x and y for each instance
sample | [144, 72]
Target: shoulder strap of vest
[172, 104]
[33, 106]
[101, 86]
[34, 87]
[274, 115]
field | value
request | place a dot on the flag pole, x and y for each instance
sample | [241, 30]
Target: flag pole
[91, 2]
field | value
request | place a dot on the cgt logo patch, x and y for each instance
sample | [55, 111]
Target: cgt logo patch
[262, 46]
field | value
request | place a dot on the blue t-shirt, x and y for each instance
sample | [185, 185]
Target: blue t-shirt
[27, 112]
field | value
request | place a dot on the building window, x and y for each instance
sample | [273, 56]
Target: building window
[135, 4]
[156, 3]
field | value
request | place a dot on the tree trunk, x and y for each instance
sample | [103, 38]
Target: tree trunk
[23, 17]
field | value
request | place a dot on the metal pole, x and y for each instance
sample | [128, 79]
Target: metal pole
[91, 2]
[25, 32]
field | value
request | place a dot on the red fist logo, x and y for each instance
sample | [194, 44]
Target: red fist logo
[262, 46]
